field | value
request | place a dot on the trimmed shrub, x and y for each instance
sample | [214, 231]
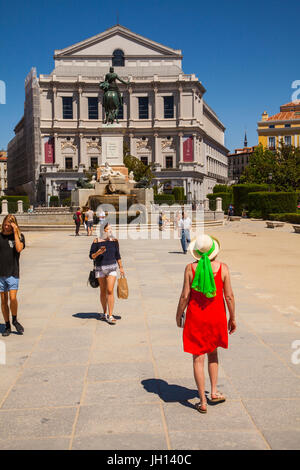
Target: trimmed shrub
[222, 188]
[271, 203]
[178, 193]
[54, 201]
[240, 195]
[13, 203]
[226, 200]
[164, 199]
[292, 218]
[66, 202]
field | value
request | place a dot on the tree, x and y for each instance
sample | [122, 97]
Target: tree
[140, 171]
[284, 165]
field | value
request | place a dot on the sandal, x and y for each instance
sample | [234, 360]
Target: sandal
[111, 320]
[201, 407]
[217, 398]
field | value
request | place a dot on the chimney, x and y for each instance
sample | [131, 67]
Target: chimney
[264, 116]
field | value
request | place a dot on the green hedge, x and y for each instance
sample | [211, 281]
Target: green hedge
[67, 202]
[222, 188]
[240, 195]
[54, 201]
[292, 218]
[226, 200]
[178, 193]
[266, 203]
[164, 199]
[13, 203]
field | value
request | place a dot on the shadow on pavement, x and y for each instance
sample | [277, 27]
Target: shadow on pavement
[87, 316]
[93, 315]
[176, 252]
[170, 392]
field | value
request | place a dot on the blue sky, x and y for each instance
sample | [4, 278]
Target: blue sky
[246, 53]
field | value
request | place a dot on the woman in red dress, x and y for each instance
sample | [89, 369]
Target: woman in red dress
[206, 284]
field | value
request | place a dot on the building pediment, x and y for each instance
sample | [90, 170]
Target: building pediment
[117, 37]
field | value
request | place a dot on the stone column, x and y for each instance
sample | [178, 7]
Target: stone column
[79, 105]
[180, 103]
[180, 135]
[156, 150]
[130, 107]
[131, 144]
[20, 207]
[80, 149]
[194, 148]
[155, 107]
[206, 204]
[219, 204]
[4, 210]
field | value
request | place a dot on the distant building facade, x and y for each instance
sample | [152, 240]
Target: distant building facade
[238, 161]
[165, 120]
[283, 126]
[3, 172]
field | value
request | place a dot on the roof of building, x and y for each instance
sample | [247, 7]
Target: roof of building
[245, 151]
[288, 111]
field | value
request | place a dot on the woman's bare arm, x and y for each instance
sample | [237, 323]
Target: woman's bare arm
[185, 294]
[229, 298]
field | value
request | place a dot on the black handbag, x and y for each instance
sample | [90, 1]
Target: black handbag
[92, 280]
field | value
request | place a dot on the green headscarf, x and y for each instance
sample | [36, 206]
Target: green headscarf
[204, 280]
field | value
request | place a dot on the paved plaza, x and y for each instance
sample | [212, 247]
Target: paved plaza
[75, 382]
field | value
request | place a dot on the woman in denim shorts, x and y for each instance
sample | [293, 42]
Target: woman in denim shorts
[12, 242]
[106, 256]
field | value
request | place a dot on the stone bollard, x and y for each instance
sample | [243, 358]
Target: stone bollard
[4, 210]
[206, 204]
[20, 207]
[219, 204]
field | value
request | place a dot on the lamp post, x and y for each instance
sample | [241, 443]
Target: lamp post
[270, 180]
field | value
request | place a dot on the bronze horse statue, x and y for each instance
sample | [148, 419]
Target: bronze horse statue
[112, 100]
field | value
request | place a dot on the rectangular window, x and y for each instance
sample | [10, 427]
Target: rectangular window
[287, 125]
[93, 108]
[143, 107]
[144, 160]
[168, 107]
[169, 162]
[288, 140]
[271, 142]
[94, 162]
[69, 163]
[67, 107]
[271, 126]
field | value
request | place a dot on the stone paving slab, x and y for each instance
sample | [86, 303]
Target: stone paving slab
[218, 440]
[73, 381]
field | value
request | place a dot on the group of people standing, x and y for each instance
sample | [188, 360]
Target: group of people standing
[201, 307]
[87, 218]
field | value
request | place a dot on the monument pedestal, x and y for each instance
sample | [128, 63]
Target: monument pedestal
[112, 144]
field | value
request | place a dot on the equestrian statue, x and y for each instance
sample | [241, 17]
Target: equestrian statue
[112, 100]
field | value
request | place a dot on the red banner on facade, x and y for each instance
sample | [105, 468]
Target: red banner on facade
[188, 150]
[49, 149]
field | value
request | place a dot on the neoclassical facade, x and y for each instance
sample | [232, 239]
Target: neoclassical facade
[164, 119]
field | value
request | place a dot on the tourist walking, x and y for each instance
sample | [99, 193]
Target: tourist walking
[106, 256]
[89, 220]
[185, 225]
[78, 221]
[12, 242]
[206, 284]
[101, 216]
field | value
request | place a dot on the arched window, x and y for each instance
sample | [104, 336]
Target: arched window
[118, 58]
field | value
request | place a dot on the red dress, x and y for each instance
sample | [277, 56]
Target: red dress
[205, 326]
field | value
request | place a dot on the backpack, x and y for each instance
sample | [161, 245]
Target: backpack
[75, 217]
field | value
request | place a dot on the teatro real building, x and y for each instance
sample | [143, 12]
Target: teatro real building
[165, 119]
